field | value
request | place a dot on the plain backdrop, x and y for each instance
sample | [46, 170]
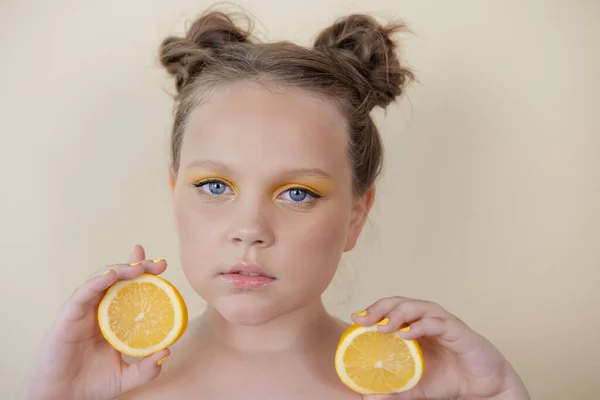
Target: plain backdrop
[489, 203]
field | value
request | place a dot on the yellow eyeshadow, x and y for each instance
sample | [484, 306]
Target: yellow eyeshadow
[207, 176]
[322, 187]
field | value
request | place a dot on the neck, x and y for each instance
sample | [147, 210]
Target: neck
[297, 330]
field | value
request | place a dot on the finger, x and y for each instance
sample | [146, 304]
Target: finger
[376, 311]
[88, 294]
[452, 333]
[138, 254]
[409, 311]
[156, 266]
[143, 371]
[135, 269]
[429, 327]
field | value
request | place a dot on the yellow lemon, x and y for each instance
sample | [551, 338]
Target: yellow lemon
[371, 362]
[141, 316]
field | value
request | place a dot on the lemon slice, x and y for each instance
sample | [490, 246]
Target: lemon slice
[141, 316]
[371, 362]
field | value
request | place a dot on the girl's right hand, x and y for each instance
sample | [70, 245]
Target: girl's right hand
[74, 360]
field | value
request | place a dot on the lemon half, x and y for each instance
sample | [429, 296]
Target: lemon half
[141, 316]
[370, 362]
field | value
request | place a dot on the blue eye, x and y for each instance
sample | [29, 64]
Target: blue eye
[214, 187]
[298, 195]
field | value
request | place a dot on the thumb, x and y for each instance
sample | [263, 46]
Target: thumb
[143, 371]
[138, 254]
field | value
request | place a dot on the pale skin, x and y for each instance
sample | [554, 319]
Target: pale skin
[269, 149]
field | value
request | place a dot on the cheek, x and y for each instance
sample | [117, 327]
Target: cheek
[313, 251]
[197, 236]
[189, 222]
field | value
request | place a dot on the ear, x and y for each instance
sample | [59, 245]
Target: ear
[172, 179]
[360, 212]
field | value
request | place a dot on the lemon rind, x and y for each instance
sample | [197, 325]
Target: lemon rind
[179, 323]
[347, 340]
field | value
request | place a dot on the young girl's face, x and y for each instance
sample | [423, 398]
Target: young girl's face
[264, 186]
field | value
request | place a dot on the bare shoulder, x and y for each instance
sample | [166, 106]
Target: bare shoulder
[195, 369]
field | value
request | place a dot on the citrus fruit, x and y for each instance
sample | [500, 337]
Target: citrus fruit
[141, 316]
[371, 362]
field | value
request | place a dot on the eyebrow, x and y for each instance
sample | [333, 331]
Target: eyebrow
[210, 164]
[294, 172]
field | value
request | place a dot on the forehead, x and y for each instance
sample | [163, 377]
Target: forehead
[257, 128]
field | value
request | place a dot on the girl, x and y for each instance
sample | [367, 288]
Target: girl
[274, 159]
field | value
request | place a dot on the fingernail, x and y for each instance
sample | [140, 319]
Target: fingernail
[157, 260]
[405, 329]
[384, 321]
[106, 272]
[135, 263]
[159, 362]
[360, 313]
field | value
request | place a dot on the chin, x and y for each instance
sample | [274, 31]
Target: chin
[248, 309]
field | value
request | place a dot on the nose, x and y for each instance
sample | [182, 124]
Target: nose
[251, 237]
[252, 228]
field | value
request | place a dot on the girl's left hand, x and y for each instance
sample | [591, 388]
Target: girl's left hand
[459, 363]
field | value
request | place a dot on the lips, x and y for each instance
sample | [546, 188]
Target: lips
[248, 269]
[249, 273]
[248, 276]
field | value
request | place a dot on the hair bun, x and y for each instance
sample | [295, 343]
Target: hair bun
[211, 33]
[366, 53]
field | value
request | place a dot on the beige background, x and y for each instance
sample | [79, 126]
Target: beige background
[489, 204]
